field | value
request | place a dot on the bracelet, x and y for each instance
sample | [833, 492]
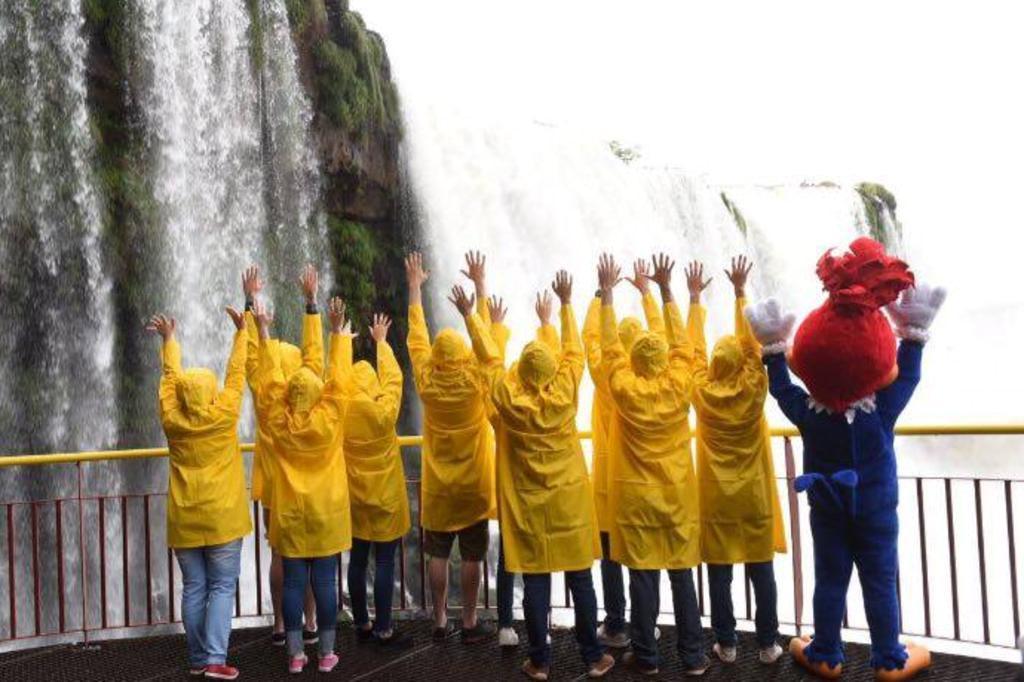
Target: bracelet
[311, 309]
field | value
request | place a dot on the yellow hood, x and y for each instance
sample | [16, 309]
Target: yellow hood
[197, 389]
[726, 359]
[304, 388]
[449, 349]
[649, 355]
[629, 329]
[537, 365]
[364, 381]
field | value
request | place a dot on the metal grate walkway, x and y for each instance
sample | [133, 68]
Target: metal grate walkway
[163, 658]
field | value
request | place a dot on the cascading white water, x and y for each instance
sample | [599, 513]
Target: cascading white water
[55, 330]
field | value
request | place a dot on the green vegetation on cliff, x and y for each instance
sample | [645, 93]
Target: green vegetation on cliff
[877, 198]
[734, 211]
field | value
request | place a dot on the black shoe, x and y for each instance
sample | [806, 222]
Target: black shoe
[310, 636]
[396, 640]
[478, 633]
[364, 636]
[441, 634]
[629, 658]
[278, 638]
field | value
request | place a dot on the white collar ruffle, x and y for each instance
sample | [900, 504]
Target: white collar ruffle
[865, 404]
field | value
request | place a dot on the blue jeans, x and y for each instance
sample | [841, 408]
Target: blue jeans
[321, 573]
[383, 582]
[506, 585]
[614, 590]
[209, 576]
[766, 617]
[644, 588]
[537, 603]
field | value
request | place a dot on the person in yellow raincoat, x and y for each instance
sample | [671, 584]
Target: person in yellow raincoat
[612, 632]
[457, 489]
[546, 508]
[312, 356]
[207, 505]
[376, 484]
[652, 487]
[741, 518]
[310, 522]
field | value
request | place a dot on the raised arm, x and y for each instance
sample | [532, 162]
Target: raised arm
[486, 351]
[912, 314]
[546, 332]
[271, 390]
[312, 325]
[652, 311]
[230, 398]
[571, 359]
[476, 272]
[418, 340]
[499, 332]
[613, 355]
[340, 362]
[738, 274]
[252, 285]
[388, 371]
[771, 327]
[170, 355]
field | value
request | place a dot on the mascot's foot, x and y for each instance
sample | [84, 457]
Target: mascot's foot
[821, 669]
[918, 658]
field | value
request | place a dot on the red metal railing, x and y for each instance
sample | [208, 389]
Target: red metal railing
[73, 601]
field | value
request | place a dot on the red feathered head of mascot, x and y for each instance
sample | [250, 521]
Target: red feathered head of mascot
[846, 350]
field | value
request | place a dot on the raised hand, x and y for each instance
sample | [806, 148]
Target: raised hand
[737, 274]
[695, 281]
[162, 325]
[915, 310]
[641, 276]
[461, 301]
[264, 318]
[770, 325]
[251, 282]
[562, 286]
[236, 317]
[496, 308]
[309, 281]
[608, 275]
[475, 270]
[336, 310]
[381, 325]
[543, 307]
[415, 276]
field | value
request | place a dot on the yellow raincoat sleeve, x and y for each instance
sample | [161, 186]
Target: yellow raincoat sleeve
[390, 375]
[171, 360]
[613, 354]
[252, 355]
[652, 313]
[270, 397]
[339, 364]
[483, 311]
[548, 335]
[592, 337]
[748, 342]
[680, 341]
[313, 343]
[500, 334]
[418, 340]
[230, 399]
[695, 330]
[486, 350]
[572, 347]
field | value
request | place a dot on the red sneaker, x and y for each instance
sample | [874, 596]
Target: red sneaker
[221, 672]
[327, 663]
[197, 672]
[297, 663]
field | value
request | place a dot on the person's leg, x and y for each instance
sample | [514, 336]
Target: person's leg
[324, 583]
[358, 558]
[723, 621]
[876, 557]
[383, 585]
[689, 635]
[506, 589]
[833, 564]
[438, 546]
[276, 578]
[766, 616]
[296, 578]
[613, 587]
[310, 610]
[223, 563]
[473, 543]
[193, 603]
[584, 601]
[644, 600]
[536, 603]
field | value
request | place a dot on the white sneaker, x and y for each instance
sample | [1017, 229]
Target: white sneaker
[657, 633]
[726, 654]
[770, 654]
[508, 637]
[620, 640]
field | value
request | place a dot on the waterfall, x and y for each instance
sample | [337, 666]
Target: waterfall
[55, 329]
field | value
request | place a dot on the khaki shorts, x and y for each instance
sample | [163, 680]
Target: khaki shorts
[473, 542]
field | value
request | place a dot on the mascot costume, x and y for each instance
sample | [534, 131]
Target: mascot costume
[858, 383]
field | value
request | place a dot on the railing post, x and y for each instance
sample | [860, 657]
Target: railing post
[81, 553]
[952, 558]
[1012, 544]
[922, 541]
[981, 561]
[12, 585]
[794, 531]
[58, 515]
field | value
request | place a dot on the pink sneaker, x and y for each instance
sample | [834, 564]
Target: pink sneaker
[328, 662]
[297, 663]
[197, 672]
[221, 672]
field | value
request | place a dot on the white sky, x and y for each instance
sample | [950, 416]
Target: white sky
[922, 96]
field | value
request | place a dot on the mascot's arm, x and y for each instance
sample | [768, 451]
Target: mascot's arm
[894, 398]
[791, 398]
[912, 315]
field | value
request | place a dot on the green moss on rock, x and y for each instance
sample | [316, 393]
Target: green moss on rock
[877, 198]
[734, 211]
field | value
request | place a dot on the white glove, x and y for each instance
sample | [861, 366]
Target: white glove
[914, 311]
[770, 325]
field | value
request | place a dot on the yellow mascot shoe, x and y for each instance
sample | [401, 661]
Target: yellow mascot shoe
[918, 658]
[821, 669]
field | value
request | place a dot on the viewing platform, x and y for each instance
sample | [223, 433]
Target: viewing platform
[90, 591]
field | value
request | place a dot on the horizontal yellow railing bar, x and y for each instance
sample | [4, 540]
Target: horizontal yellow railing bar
[412, 441]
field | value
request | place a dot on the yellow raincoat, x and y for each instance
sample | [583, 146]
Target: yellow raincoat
[741, 517]
[304, 418]
[457, 488]
[311, 356]
[652, 488]
[206, 498]
[603, 410]
[546, 505]
[376, 477]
